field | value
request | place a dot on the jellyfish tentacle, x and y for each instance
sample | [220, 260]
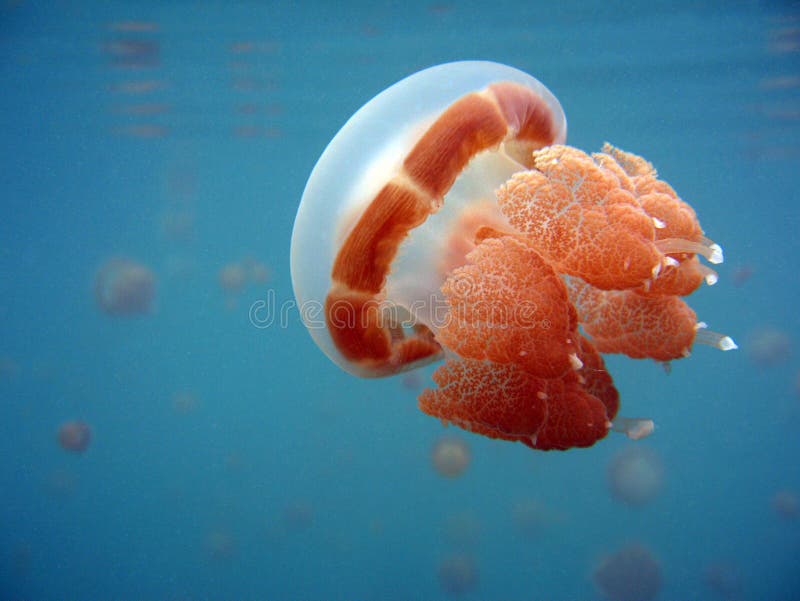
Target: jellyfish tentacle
[711, 251]
[710, 338]
[634, 428]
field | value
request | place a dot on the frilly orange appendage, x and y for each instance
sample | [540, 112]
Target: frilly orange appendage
[504, 401]
[605, 218]
[507, 305]
[660, 327]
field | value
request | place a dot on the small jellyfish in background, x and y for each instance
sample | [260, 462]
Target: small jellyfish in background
[461, 529]
[177, 224]
[220, 544]
[768, 346]
[124, 287]
[723, 579]
[235, 276]
[531, 518]
[630, 574]
[74, 436]
[458, 574]
[61, 484]
[742, 273]
[450, 457]
[232, 277]
[257, 272]
[786, 504]
[20, 558]
[184, 402]
[298, 515]
[8, 367]
[635, 475]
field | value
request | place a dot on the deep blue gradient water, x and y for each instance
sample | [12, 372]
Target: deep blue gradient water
[182, 135]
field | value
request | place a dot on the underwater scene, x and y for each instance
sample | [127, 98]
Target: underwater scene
[385, 301]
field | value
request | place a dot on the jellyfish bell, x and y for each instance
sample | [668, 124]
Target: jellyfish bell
[458, 574]
[232, 277]
[635, 475]
[74, 436]
[124, 287]
[447, 220]
[786, 504]
[382, 151]
[630, 574]
[450, 457]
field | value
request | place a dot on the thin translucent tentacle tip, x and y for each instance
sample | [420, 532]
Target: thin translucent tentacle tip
[715, 339]
[715, 256]
[633, 427]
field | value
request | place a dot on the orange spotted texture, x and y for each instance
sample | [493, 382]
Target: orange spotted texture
[581, 219]
[507, 305]
[624, 321]
[503, 401]
[595, 379]
[681, 279]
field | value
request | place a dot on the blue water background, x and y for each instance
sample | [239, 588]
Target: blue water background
[167, 505]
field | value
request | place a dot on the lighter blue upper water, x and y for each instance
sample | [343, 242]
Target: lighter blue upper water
[289, 479]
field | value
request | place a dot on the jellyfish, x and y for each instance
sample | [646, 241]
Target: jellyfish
[124, 287]
[630, 574]
[74, 436]
[785, 503]
[635, 475]
[458, 574]
[447, 220]
[450, 457]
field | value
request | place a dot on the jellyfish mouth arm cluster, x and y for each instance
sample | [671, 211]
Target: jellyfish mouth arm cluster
[481, 239]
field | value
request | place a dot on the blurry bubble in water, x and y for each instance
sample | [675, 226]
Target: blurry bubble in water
[635, 475]
[786, 504]
[768, 346]
[630, 574]
[450, 457]
[458, 574]
[124, 287]
[74, 436]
